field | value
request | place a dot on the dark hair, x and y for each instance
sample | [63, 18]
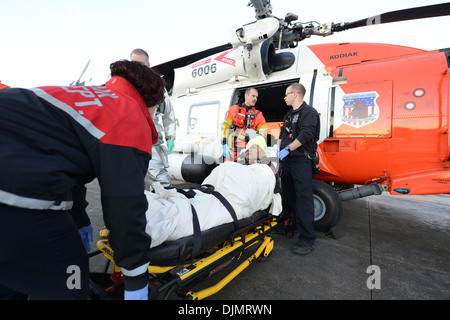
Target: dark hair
[149, 84]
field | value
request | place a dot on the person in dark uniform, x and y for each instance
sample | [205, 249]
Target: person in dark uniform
[298, 137]
[54, 140]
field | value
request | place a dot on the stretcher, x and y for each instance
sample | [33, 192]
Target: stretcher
[177, 265]
[174, 268]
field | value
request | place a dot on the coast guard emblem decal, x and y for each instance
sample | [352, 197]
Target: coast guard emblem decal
[360, 109]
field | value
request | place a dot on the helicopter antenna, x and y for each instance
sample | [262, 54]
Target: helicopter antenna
[78, 82]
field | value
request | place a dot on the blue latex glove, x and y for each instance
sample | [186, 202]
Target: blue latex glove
[141, 294]
[282, 154]
[170, 146]
[226, 152]
[86, 234]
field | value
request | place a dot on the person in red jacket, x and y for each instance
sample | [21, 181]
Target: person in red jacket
[3, 86]
[55, 140]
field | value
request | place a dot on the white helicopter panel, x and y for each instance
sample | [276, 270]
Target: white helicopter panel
[209, 71]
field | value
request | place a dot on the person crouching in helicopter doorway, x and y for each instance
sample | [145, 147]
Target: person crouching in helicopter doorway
[241, 124]
[299, 134]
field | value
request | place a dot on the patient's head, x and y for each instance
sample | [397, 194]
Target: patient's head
[256, 149]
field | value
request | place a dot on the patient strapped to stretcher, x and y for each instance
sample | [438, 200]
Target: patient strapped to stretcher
[247, 188]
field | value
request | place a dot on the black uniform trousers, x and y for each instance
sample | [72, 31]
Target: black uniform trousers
[296, 184]
[41, 255]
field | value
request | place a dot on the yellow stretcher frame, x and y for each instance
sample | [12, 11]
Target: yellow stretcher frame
[210, 264]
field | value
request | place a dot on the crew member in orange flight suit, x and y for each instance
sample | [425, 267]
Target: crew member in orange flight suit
[241, 124]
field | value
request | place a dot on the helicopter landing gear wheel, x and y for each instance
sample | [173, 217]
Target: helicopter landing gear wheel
[327, 206]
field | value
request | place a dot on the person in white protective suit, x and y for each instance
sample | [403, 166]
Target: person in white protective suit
[165, 123]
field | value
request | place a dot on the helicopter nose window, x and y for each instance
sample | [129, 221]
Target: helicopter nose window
[205, 114]
[192, 123]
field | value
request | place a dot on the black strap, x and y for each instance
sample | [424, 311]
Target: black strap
[195, 223]
[207, 188]
[197, 233]
[188, 194]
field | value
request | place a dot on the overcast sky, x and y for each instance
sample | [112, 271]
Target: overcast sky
[49, 42]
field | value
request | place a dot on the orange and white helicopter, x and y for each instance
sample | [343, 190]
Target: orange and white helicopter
[384, 109]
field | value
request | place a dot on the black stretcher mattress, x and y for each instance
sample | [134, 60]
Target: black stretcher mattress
[177, 252]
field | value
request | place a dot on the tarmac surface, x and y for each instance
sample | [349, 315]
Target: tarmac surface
[403, 239]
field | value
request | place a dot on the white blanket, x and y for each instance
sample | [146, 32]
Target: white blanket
[247, 188]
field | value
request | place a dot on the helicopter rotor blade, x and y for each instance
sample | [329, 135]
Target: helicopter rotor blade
[397, 16]
[166, 67]
[261, 5]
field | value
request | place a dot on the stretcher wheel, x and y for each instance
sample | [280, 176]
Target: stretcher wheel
[188, 297]
[264, 258]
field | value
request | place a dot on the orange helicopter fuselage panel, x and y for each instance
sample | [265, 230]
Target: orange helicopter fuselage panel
[390, 119]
